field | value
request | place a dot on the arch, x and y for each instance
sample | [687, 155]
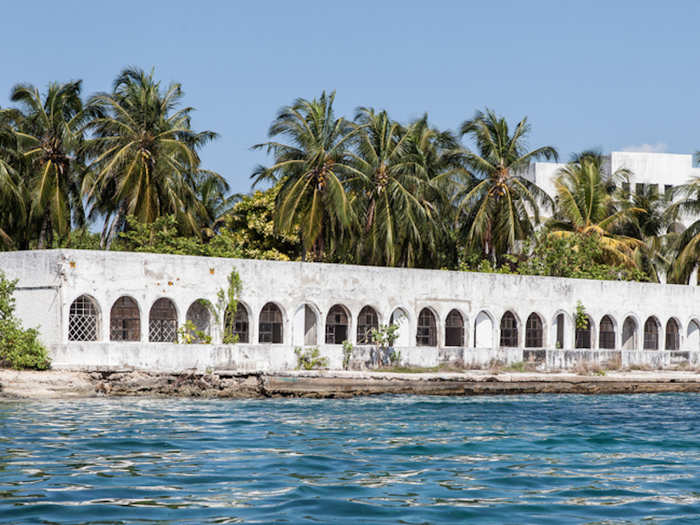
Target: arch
[606, 333]
[237, 328]
[83, 319]
[337, 325]
[200, 316]
[534, 331]
[584, 334]
[426, 329]
[125, 320]
[270, 325]
[559, 324]
[483, 330]
[692, 340]
[509, 330]
[454, 328]
[367, 320]
[629, 333]
[673, 334]
[400, 318]
[305, 328]
[651, 333]
[162, 322]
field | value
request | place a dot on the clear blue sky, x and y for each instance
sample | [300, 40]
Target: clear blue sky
[606, 74]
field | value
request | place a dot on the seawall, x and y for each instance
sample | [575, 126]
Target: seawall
[329, 384]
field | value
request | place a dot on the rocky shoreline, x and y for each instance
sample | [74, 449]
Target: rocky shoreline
[329, 384]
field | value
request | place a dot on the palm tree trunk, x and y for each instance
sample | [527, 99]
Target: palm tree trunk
[115, 225]
[43, 234]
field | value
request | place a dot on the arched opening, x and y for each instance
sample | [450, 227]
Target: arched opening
[651, 334]
[305, 326]
[483, 331]
[454, 329]
[606, 337]
[426, 332]
[399, 317]
[83, 319]
[629, 334]
[125, 320]
[583, 333]
[559, 331]
[509, 330]
[199, 315]
[673, 335]
[692, 341]
[337, 325]
[534, 333]
[367, 321]
[162, 322]
[270, 325]
[236, 328]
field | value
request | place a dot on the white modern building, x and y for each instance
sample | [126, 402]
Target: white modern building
[660, 170]
[117, 310]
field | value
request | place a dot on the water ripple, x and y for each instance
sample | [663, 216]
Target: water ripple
[390, 459]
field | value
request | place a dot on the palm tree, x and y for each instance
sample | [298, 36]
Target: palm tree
[499, 201]
[311, 167]
[144, 155]
[687, 246]
[49, 134]
[392, 189]
[211, 190]
[14, 201]
[587, 203]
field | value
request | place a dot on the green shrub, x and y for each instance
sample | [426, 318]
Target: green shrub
[310, 359]
[347, 354]
[19, 347]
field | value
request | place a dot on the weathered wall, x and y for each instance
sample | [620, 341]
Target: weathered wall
[51, 280]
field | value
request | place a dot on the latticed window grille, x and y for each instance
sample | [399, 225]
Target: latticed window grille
[533, 332]
[509, 330]
[270, 326]
[162, 322]
[651, 334]
[607, 333]
[426, 333]
[454, 329]
[673, 336]
[366, 322]
[125, 320]
[239, 324]
[583, 335]
[82, 320]
[336, 325]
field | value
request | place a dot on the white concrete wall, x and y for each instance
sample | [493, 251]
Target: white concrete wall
[106, 276]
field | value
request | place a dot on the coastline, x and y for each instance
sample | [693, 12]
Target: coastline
[60, 384]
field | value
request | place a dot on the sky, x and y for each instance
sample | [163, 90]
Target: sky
[610, 75]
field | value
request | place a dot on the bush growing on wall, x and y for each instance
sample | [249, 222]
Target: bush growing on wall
[19, 347]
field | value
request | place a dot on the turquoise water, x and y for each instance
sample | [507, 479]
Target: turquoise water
[390, 459]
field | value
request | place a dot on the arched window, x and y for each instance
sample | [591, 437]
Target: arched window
[534, 337]
[426, 333]
[651, 334]
[125, 320]
[399, 317]
[583, 333]
[199, 315]
[629, 334]
[673, 336]
[83, 319]
[559, 324]
[509, 330]
[692, 341]
[454, 329]
[483, 331]
[162, 322]
[367, 321]
[238, 326]
[270, 326]
[606, 339]
[337, 324]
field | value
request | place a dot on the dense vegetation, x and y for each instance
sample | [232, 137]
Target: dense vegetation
[121, 170]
